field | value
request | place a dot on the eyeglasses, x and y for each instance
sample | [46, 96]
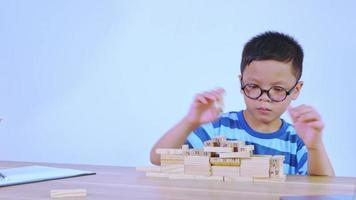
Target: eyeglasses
[275, 93]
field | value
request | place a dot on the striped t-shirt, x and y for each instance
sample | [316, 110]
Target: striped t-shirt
[233, 126]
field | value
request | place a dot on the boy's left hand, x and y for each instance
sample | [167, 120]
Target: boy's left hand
[308, 124]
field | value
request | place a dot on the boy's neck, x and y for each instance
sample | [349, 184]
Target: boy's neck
[262, 127]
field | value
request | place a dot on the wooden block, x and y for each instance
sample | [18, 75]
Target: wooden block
[212, 143]
[219, 104]
[149, 169]
[172, 169]
[246, 148]
[172, 162]
[68, 193]
[169, 151]
[196, 177]
[196, 152]
[238, 179]
[209, 143]
[225, 161]
[230, 171]
[156, 174]
[238, 143]
[185, 147]
[261, 157]
[276, 172]
[235, 155]
[197, 160]
[218, 149]
[263, 173]
[219, 138]
[250, 147]
[269, 180]
[229, 144]
[197, 170]
[255, 167]
[172, 157]
[278, 157]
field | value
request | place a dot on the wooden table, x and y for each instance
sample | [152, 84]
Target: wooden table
[114, 182]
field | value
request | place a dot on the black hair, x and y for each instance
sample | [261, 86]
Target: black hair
[273, 46]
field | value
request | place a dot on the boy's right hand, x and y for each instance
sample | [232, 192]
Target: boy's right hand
[206, 107]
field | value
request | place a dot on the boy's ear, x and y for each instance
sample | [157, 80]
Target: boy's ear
[297, 90]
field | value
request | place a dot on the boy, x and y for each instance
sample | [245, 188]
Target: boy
[271, 68]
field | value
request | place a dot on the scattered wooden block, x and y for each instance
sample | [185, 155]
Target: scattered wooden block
[196, 177]
[149, 169]
[156, 174]
[269, 180]
[65, 193]
[238, 179]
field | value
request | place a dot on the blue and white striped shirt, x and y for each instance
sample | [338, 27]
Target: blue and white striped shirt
[233, 126]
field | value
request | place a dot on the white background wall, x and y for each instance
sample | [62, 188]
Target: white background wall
[100, 81]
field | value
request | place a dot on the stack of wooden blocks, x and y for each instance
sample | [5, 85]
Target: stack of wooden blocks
[220, 159]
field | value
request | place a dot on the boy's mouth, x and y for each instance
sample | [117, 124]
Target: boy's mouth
[264, 109]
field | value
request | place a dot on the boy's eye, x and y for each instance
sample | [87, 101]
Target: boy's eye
[252, 86]
[278, 89]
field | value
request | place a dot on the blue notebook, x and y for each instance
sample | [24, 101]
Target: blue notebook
[31, 174]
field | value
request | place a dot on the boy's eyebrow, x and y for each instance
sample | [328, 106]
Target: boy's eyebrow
[279, 82]
[251, 79]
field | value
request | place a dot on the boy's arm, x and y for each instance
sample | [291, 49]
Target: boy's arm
[309, 126]
[318, 162]
[174, 138]
[202, 110]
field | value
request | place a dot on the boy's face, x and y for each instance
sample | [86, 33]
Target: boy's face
[266, 74]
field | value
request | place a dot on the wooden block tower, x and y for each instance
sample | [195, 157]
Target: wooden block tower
[220, 159]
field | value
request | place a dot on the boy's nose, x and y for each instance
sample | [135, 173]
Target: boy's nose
[264, 97]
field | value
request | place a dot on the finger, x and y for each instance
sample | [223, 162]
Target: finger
[201, 99]
[308, 117]
[317, 124]
[217, 94]
[219, 104]
[210, 96]
[299, 110]
[220, 91]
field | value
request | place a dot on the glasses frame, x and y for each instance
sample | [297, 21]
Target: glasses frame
[288, 92]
